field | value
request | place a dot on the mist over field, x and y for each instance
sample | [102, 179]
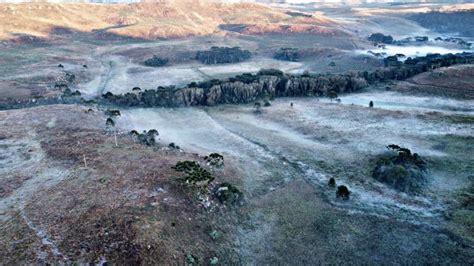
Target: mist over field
[237, 132]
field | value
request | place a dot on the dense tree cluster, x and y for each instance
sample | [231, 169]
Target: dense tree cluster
[287, 54]
[457, 40]
[414, 66]
[145, 138]
[447, 21]
[271, 83]
[401, 169]
[223, 55]
[68, 93]
[380, 38]
[156, 61]
[391, 61]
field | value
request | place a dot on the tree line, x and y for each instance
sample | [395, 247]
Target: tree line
[271, 83]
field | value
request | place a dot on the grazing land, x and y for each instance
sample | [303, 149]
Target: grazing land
[352, 153]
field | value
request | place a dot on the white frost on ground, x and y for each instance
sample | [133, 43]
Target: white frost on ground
[412, 50]
[399, 101]
[271, 144]
[254, 65]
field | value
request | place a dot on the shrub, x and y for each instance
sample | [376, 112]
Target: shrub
[228, 193]
[173, 146]
[194, 172]
[156, 61]
[404, 171]
[108, 95]
[112, 112]
[147, 137]
[379, 37]
[287, 54]
[109, 122]
[332, 95]
[343, 192]
[223, 55]
[257, 106]
[215, 159]
[270, 72]
[332, 182]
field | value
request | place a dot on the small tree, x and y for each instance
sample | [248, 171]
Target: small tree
[332, 95]
[110, 125]
[343, 192]
[332, 182]
[257, 107]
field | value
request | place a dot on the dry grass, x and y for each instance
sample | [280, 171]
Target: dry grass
[126, 205]
[142, 20]
[455, 81]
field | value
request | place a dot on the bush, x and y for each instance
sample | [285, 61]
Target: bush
[270, 72]
[112, 112]
[223, 55]
[379, 37]
[194, 172]
[147, 137]
[404, 171]
[215, 159]
[332, 182]
[343, 192]
[228, 193]
[156, 61]
[173, 146]
[287, 54]
[109, 122]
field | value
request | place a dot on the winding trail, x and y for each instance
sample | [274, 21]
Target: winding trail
[45, 240]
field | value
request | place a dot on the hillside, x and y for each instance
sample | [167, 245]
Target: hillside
[146, 20]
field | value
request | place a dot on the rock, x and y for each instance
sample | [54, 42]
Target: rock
[213, 261]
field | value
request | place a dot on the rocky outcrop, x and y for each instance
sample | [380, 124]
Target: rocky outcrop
[237, 91]
[247, 87]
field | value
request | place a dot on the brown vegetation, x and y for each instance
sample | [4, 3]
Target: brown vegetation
[145, 20]
[128, 206]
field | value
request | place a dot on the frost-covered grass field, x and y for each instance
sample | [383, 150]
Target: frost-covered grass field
[314, 140]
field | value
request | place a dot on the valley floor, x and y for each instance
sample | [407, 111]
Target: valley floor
[281, 158]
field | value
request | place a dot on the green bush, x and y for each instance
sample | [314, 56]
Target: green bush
[401, 170]
[194, 172]
[156, 61]
[228, 193]
[215, 159]
[343, 192]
